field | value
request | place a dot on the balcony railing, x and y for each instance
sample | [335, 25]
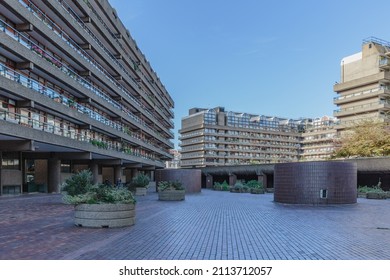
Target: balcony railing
[361, 93]
[64, 36]
[74, 15]
[72, 133]
[64, 68]
[40, 88]
[369, 105]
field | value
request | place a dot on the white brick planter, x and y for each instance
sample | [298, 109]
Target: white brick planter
[104, 215]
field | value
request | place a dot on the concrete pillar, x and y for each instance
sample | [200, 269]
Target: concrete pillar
[232, 179]
[94, 167]
[209, 181]
[54, 175]
[117, 174]
[260, 179]
[265, 181]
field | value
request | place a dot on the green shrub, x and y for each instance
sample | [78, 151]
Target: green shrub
[225, 186]
[170, 185]
[78, 183]
[373, 189]
[139, 181]
[100, 194]
[254, 184]
[79, 189]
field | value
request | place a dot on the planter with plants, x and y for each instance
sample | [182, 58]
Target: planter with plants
[171, 190]
[374, 192]
[221, 186]
[238, 187]
[98, 205]
[139, 184]
[255, 187]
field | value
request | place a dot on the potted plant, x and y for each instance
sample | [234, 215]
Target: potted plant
[98, 205]
[171, 190]
[237, 188]
[139, 184]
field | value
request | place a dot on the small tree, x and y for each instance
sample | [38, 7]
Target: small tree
[139, 181]
[367, 139]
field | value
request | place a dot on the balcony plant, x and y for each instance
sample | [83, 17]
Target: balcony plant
[139, 184]
[171, 190]
[98, 205]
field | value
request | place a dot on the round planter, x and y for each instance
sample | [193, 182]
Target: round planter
[140, 191]
[172, 195]
[104, 215]
[257, 191]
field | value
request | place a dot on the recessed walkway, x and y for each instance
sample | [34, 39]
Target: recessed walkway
[210, 225]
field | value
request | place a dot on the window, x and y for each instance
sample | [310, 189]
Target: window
[10, 161]
[324, 193]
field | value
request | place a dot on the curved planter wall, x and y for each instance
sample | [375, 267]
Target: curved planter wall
[104, 215]
[326, 182]
[172, 195]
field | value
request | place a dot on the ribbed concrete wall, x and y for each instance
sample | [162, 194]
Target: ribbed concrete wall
[306, 182]
[190, 178]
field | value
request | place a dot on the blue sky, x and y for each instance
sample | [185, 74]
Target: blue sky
[278, 58]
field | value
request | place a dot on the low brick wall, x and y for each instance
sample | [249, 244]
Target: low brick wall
[325, 182]
[190, 178]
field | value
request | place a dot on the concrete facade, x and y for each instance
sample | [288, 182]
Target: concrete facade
[76, 92]
[215, 137]
[363, 91]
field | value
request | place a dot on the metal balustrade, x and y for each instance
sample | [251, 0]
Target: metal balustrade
[64, 68]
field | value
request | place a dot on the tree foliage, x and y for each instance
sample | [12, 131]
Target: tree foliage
[367, 139]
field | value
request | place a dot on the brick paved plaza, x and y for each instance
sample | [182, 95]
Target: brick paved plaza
[209, 225]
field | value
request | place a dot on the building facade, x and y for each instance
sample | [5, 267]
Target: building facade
[318, 138]
[76, 92]
[364, 87]
[213, 137]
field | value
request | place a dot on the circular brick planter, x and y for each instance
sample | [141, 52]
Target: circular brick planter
[104, 215]
[140, 191]
[172, 195]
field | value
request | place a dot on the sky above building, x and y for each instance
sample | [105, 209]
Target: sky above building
[276, 58]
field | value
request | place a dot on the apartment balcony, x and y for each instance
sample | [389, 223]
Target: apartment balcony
[361, 95]
[384, 63]
[362, 109]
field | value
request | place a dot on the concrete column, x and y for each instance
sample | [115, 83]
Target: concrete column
[260, 179]
[265, 181]
[232, 179]
[94, 167]
[209, 181]
[117, 174]
[54, 175]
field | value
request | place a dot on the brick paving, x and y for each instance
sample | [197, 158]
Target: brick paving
[207, 226]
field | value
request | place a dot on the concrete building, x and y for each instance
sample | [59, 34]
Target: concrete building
[213, 137]
[75, 93]
[363, 90]
[174, 163]
[318, 138]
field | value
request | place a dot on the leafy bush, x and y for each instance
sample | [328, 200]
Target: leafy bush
[99, 194]
[78, 183]
[254, 184]
[170, 185]
[373, 189]
[139, 181]
[225, 186]
[79, 189]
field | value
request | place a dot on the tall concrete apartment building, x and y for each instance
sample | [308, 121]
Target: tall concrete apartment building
[76, 93]
[364, 87]
[215, 137]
